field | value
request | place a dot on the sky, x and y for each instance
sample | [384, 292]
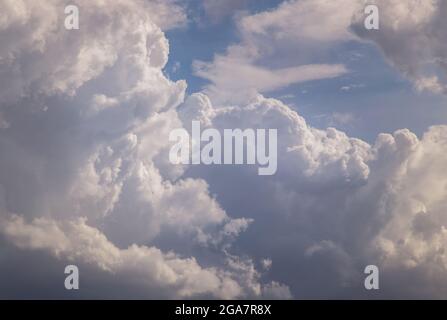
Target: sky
[85, 176]
[363, 101]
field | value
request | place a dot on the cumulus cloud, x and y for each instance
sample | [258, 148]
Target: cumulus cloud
[84, 173]
[336, 203]
[305, 150]
[412, 37]
[75, 240]
[85, 118]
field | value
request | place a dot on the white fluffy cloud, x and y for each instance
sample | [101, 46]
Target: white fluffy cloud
[337, 202]
[83, 168]
[77, 241]
[84, 174]
[412, 36]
